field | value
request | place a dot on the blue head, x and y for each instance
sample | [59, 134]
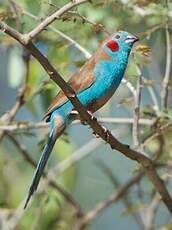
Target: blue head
[119, 45]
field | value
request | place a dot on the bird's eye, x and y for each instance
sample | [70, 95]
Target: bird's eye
[117, 36]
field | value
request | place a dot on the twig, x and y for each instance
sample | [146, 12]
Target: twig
[168, 66]
[84, 19]
[66, 37]
[26, 125]
[153, 96]
[158, 132]
[129, 86]
[15, 14]
[73, 42]
[137, 106]
[32, 34]
[150, 212]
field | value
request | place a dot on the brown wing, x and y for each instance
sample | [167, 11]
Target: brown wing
[79, 81]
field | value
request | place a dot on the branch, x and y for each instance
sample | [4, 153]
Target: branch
[129, 86]
[150, 212]
[32, 34]
[158, 132]
[27, 125]
[137, 106]
[25, 39]
[165, 88]
[152, 95]
[15, 14]
[72, 41]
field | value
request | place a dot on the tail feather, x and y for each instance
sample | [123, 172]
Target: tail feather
[55, 133]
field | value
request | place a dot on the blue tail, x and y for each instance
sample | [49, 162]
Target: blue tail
[55, 133]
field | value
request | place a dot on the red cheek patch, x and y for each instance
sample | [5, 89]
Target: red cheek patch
[113, 46]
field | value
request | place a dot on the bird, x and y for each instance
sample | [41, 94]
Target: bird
[94, 84]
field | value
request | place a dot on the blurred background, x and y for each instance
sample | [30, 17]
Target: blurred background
[26, 92]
